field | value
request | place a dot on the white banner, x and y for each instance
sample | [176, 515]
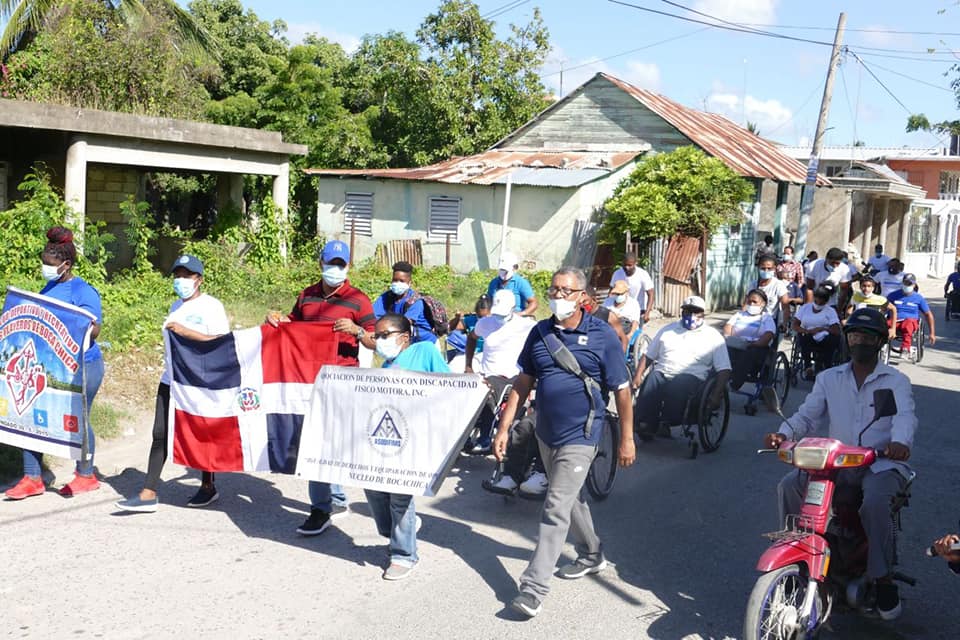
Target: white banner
[387, 429]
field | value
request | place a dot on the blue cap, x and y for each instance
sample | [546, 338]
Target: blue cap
[190, 263]
[333, 250]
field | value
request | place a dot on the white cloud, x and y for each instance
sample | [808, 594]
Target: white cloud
[877, 35]
[645, 75]
[744, 11]
[297, 31]
[769, 115]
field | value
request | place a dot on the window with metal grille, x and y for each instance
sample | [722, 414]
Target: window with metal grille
[444, 218]
[358, 213]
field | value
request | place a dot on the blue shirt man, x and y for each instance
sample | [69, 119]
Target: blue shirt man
[401, 299]
[509, 279]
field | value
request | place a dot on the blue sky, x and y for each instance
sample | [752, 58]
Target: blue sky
[773, 82]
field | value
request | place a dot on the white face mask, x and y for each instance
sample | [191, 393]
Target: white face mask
[562, 308]
[907, 288]
[399, 288]
[184, 287]
[621, 298]
[333, 275]
[506, 274]
[788, 257]
[388, 348]
[754, 309]
[50, 274]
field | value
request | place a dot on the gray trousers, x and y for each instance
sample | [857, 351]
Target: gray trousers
[564, 509]
[878, 490]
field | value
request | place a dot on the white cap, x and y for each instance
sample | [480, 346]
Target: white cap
[508, 261]
[503, 302]
[694, 301]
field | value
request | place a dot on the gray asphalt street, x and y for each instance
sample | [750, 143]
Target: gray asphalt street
[683, 537]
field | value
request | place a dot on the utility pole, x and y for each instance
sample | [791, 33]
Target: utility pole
[810, 187]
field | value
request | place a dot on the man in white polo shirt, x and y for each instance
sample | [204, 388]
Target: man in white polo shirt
[504, 333]
[682, 353]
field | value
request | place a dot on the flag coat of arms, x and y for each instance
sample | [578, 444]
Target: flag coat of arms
[42, 400]
[237, 402]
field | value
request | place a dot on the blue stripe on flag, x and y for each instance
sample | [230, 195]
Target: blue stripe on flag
[209, 365]
[283, 441]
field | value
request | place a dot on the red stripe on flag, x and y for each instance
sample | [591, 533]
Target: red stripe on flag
[295, 351]
[210, 444]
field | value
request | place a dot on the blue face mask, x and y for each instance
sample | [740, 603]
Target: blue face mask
[333, 275]
[829, 267]
[184, 287]
[691, 322]
[399, 288]
[766, 274]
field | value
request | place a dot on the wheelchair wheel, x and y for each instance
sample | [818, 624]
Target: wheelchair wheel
[947, 312]
[781, 377]
[713, 423]
[885, 353]
[920, 338]
[603, 470]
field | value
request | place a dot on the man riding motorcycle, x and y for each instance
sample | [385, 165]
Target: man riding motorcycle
[842, 400]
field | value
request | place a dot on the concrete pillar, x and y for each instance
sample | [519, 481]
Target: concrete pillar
[847, 218]
[75, 186]
[281, 191]
[904, 234]
[865, 248]
[884, 214]
[780, 216]
[230, 191]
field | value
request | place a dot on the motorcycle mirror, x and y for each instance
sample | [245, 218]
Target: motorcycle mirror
[884, 404]
[772, 400]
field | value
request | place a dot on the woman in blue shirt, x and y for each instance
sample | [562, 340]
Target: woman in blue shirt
[58, 258]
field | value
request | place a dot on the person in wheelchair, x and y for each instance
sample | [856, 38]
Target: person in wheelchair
[749, 334]
[681, 356]
[953, 295]
[817, 328]
[504, 332]
[867, 296]
[624, 306]
[910, 303]
[523, 471]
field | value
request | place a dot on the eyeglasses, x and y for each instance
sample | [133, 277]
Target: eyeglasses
[386, 334]
[563, 291]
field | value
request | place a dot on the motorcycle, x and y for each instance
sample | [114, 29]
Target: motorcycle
[820, 556]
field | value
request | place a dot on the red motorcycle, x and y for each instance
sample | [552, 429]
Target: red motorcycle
[821, 554]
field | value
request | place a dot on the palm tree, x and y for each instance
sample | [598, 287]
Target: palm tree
[25, 18]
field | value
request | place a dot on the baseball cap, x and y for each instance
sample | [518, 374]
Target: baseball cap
[333, 250]
[909, 278]
[694, 302]
[190, 263]
[620, 286]
[503, 302]
[508, 261]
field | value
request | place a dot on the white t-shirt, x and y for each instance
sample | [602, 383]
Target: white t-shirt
[751, 328]
[677, 350]
[502, 344]
[203, 314]
[810, 319]
[640, 282]
[775, 289]
[819, 274]
[889, 282]
[879, 263]
[629, 311]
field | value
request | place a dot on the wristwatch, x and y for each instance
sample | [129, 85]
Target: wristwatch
[360, 333]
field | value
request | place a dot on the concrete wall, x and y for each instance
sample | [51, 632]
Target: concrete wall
[925, 174]
[107, 187]
[541, 224]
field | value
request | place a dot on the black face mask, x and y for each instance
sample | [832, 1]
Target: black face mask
[863, 353]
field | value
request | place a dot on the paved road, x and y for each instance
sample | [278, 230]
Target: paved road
[683, 534]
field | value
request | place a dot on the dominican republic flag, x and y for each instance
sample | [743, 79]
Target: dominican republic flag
[237, 402]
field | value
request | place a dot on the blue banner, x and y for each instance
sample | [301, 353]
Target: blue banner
[42, 403]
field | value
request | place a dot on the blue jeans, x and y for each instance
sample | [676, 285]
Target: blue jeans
[324, 495]
[32, 459]
[396, 519]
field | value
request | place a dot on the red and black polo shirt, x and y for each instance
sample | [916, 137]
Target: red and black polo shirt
[346, 302]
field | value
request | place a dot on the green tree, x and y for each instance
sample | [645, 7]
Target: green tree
[25, 19]
[74, 61]
[920, 122]
[684, 191]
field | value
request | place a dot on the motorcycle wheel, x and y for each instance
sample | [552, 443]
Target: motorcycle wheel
[774, 606]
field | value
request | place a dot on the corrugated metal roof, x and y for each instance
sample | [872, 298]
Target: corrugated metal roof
[681, 257]
[541, 168]
[744, 152]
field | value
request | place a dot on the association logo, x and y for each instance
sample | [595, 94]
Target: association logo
[248, 400]
[25, 377]
[388, 430]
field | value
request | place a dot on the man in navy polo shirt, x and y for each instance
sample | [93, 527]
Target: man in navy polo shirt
[567, 445]
[509, 279]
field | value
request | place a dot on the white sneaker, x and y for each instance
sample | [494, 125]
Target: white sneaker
[505, 485]
[535, 485]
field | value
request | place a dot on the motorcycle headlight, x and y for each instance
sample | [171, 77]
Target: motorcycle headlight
[810, 457]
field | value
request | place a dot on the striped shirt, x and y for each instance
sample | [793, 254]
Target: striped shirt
[346, 302]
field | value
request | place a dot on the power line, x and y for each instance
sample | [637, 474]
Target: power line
[502, 9]
[903, 75]
[813, 28]
[816, 89]
[880, 82]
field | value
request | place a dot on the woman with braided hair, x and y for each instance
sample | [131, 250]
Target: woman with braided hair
[57, 261]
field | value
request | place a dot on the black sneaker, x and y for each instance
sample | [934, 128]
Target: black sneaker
[888, 601]
[203, 497]
[527, 604]
[316, 524]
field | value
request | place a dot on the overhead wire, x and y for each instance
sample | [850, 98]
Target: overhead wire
[510, 6]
